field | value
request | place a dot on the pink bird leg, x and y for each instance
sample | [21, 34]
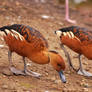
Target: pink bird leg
[67, 12]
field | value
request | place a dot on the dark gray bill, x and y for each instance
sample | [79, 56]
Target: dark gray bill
[62, 76]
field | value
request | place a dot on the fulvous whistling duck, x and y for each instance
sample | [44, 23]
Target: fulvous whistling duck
[79, 40]
[30, 43]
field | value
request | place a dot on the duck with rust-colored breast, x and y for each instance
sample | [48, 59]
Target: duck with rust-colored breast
[79, 40]
[28, 42]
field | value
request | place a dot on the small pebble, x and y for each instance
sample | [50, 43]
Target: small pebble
[61, 23]
[17, 3]
[27, 91]
[46, 91]
[7, 17]
[7, 72]
[5, 86]
[57, 81]
[86, 85]
[19, 17]
[46, 16]
[85, 63]
[85, 89]
[47, 74]
[29, 64]
[53, 78]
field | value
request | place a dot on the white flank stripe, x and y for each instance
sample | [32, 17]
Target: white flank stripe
[7, 31]
[11, 34]
[1, 46]
[77, 39]
[16, 34]
[64, 33]
[68, 34]
[21, 38]
[16, 37]
[59, 33]
[72, 34]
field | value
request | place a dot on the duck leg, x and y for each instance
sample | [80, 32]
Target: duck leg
[19, 72]
[11, 66]
[81, 71]
[68, 57]
[28, 72]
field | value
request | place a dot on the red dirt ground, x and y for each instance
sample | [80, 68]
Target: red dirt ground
[29, 12]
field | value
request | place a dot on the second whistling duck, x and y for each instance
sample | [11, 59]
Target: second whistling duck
[79, 40]
[30, 43]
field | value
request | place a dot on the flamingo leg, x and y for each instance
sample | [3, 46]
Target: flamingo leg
[67, 12]
[81, 71]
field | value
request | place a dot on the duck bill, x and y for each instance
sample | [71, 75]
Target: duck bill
[62, 76]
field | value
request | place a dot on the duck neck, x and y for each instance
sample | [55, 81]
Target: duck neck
[40, 57]
[52, 58]
[56, 61]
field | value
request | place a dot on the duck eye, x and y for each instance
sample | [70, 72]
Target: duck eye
[60, 36]
[59, 65]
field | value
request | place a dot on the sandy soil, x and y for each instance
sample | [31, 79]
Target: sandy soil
[30, 13]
